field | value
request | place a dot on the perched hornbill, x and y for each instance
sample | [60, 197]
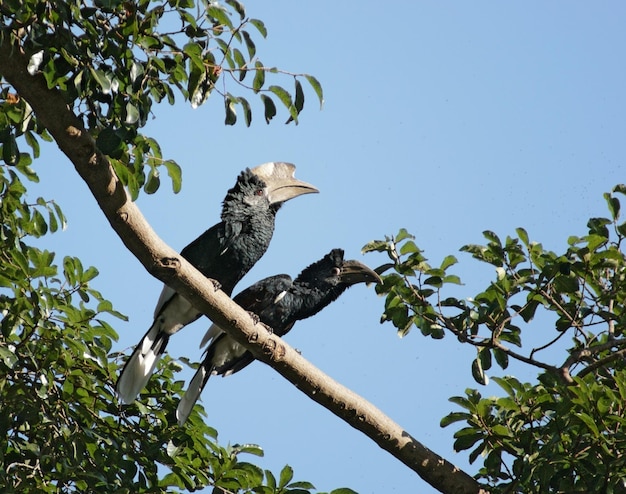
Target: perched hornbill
[225, 253]
[278, 302]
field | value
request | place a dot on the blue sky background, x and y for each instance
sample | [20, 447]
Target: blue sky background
[445, 118]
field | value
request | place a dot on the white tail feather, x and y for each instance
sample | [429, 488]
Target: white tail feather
[191, 395]
[140, 366]
[213, 332]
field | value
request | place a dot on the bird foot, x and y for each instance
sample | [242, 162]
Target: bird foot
[216, 285]
[255, 318]
[268, 329]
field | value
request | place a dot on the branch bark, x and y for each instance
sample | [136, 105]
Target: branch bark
[165, 264]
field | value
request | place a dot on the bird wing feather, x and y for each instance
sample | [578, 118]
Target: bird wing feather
[253, 299]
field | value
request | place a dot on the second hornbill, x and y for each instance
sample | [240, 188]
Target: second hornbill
[278, 302]
[224, 253]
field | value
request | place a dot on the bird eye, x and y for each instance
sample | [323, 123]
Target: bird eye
[336, 271]
[259, 192]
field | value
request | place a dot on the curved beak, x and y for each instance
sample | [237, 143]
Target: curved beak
[353, 272]
[280, 181]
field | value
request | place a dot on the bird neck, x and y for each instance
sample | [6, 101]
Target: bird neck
[313, 298]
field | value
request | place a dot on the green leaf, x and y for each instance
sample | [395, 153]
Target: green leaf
[175, 173]
[375, 246]
[454, 417]
[132, 114]
[239, 8]
[484, 355]
[260, 26]
[597, 226]
[502, 357]
[259, 77]
[589, 422]
[108, 141]
[523, 236]
[270, 108]
[613, 204]
[403, 234]
[299, 98]
[10, 151]
[478, 372]
[241, 62]
[271, 480]
[448, 261]
[153, 182]
[409, 247]
[452, 278]
[301, 485]
[103, 80]
[317, 87]
[32, 141]
[285, 99]
[467, 440]
[231, 114]
[247, 111]
[220, 15]
[251, 449]
[492, 237]
[52, 221]
[286, 476]
[249, 44]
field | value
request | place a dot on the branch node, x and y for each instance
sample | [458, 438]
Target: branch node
[73, 131]
[169, 263]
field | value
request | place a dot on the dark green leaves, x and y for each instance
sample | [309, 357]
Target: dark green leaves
[408, 302]
[563, 433]
[113, 62]
[270, 108]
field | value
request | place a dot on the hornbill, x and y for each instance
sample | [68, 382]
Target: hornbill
[278, 302]
[224, 253]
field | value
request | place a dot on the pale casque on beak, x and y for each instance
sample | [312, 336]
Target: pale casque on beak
[280, 181]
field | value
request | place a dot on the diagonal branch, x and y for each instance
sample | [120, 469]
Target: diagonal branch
[164, 263]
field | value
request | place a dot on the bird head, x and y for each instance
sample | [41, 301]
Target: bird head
[263, 188]
[332, 270]
[281, 185]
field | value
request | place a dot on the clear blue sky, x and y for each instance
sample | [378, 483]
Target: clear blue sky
[446, 118]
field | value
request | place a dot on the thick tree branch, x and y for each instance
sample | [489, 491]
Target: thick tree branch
[165, 264]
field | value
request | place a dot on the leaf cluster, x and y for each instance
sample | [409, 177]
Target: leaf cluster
[547, 437]
[114, 59]
[561, 435]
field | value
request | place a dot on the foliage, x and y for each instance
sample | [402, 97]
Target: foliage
[563, 434]
[114, 59]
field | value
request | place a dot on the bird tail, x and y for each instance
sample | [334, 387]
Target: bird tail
[141, 364]
[194, 390]
[212, 333]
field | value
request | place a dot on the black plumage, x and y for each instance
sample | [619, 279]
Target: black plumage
[225, 253]
[279, 302]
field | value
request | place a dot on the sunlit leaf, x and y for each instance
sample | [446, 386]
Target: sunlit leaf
[260, 26]
[317, 87]
[175, 173]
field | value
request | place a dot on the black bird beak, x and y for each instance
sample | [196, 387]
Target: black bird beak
[353, 272]
[280, 181]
